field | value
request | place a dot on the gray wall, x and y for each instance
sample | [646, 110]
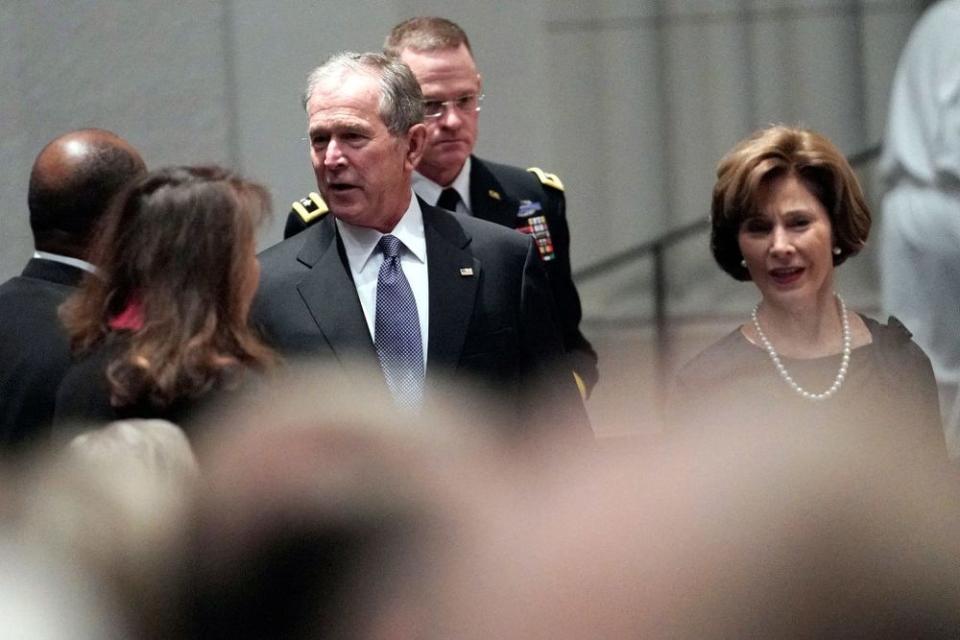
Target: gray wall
[630, 102]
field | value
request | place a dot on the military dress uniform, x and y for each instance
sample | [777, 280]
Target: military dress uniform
[532, 202]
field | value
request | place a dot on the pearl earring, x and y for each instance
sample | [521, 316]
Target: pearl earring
[836, 251]
[743, 263]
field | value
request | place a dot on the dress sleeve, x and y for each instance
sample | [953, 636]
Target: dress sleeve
[912, 377]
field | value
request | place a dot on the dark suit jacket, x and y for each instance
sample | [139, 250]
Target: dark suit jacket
[491, 314]
[496, 194]
[34, 349]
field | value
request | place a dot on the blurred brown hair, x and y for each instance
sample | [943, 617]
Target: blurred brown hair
[178, 244]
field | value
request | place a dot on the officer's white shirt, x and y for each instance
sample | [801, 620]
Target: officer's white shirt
[430, 191]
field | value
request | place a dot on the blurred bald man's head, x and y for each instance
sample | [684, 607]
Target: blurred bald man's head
[72, 183]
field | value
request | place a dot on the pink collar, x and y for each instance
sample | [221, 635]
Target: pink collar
[131, 318]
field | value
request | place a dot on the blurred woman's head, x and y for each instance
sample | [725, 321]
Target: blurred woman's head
[758, 167]
[178, 269]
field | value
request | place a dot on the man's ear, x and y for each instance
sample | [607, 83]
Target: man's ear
[416, 144]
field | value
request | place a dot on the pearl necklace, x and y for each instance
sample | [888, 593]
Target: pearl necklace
[844, 361]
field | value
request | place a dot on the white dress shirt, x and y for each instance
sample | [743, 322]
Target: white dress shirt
[360, 244]
[430, 191]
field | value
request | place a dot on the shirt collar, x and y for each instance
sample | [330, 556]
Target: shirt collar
[360, 242]
[67, 260]
[430, 190]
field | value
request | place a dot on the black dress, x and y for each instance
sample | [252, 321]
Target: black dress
[83, 398]
[889, 390]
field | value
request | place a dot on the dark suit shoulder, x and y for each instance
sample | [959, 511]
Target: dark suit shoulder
[283, 249]
[467, 229]
[26, 288]
[52, 272]
[29, 306]
[300, 251]
[517, 183]
[280, 271]
[487, 229]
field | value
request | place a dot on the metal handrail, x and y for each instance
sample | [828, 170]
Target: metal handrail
[656, 249]
[615, 261]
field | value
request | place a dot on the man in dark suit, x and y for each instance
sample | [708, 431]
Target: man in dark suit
[478, 310]
[71, 184]
[532, 201]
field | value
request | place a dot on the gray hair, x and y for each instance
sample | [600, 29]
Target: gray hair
[401, 101]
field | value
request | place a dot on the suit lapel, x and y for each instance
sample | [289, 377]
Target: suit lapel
[487, 198]
[453, 274]
[330, 296]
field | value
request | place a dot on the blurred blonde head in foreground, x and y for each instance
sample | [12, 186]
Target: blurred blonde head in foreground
[113, 503]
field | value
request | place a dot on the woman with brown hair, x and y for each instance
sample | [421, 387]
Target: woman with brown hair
[163, 324]
[787, 210]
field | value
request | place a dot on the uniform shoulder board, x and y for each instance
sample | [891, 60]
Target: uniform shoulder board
[548, 179]
[310, 207]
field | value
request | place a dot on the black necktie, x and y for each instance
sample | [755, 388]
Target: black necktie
[397, 328]
[448, 199]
